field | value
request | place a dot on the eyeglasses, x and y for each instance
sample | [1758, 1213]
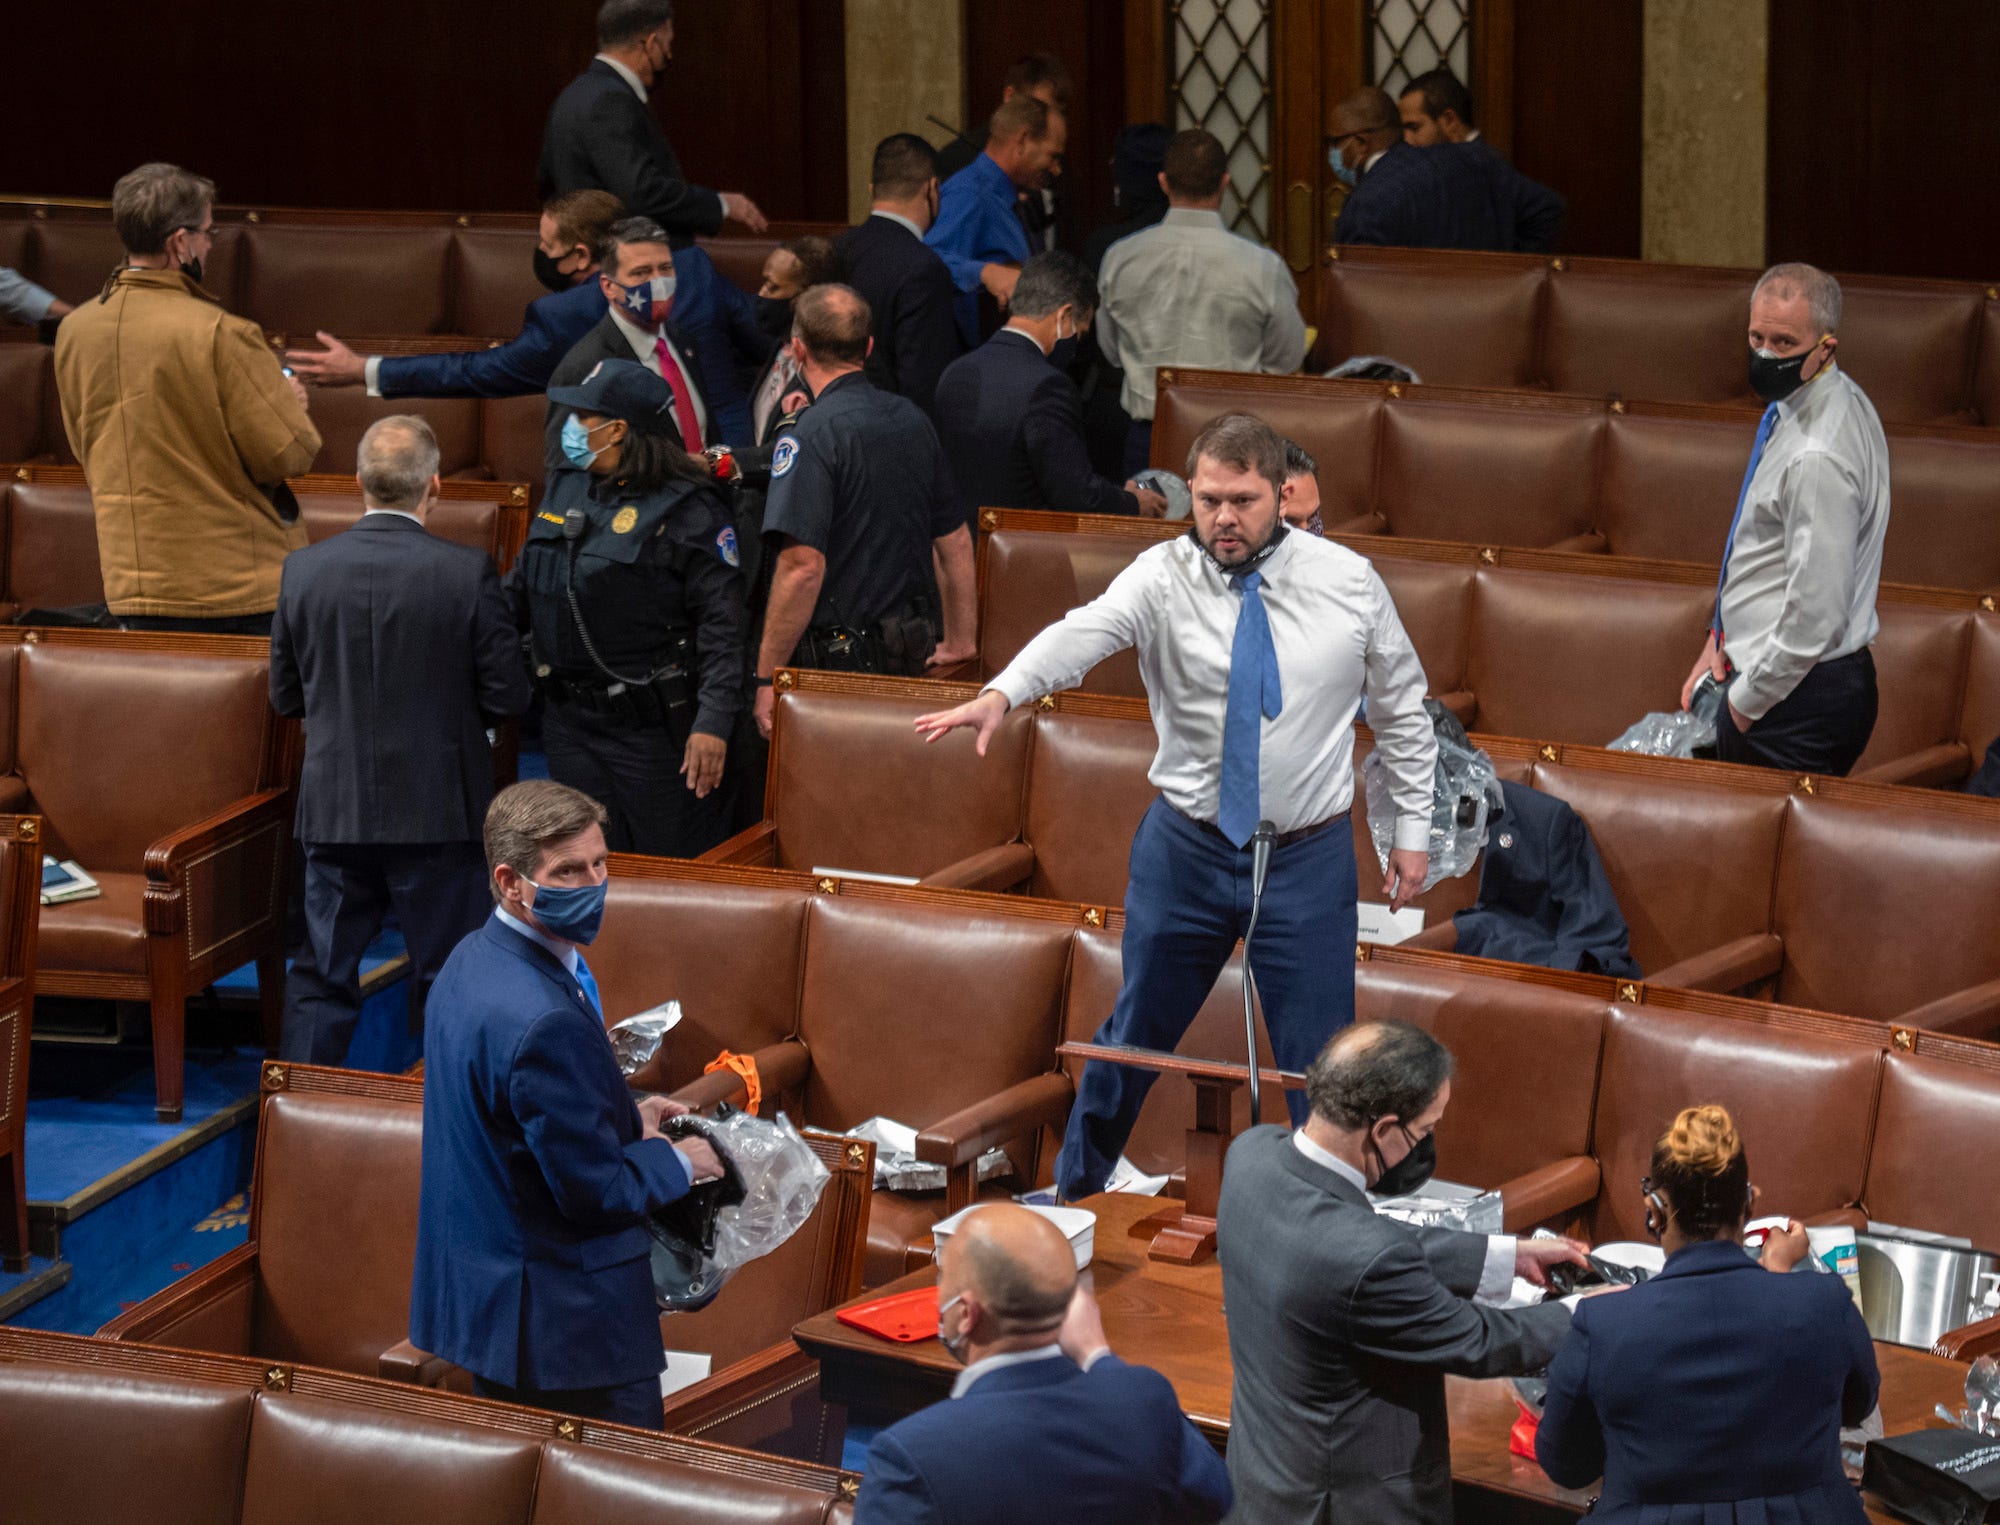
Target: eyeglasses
[188, 227]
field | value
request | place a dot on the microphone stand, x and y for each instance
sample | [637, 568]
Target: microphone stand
[1260, 865]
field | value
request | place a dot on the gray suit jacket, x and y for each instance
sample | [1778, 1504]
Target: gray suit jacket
[1342, 1328]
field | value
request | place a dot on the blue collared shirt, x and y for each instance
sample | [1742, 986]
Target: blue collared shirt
[563, 953]
[976, 227]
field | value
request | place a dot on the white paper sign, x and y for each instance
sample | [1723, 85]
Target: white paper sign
[684, 1369]
[1379, 924]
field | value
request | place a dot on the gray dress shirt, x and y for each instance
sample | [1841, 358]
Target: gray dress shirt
[21, 299]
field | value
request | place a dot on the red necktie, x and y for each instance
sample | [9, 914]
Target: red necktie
[684, 413]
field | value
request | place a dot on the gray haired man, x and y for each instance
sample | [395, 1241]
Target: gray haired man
[396, 649]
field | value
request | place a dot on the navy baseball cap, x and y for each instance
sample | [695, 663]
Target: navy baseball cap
[622, 389]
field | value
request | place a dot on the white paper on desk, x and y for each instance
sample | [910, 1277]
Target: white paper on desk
[1125, 1176]
[1379, 924]
[684, 1369]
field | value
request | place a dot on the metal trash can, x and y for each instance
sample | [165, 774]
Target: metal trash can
[1914, 1289]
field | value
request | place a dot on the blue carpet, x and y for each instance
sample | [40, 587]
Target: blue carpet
[11, 1281]
[860, 1436]
[101, 1118]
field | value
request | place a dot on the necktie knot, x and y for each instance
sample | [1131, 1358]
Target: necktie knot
[1250, 582]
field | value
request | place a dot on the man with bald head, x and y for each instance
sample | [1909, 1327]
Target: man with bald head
[1044, 1422]
[1343, 1325]
[1449, 196]
[870, 553]
[396, 648]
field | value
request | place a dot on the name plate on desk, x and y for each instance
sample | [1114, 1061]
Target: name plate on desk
[1379, 924]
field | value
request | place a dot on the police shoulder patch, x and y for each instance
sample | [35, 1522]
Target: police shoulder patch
[725, 543]
[624, 519]
[782, 457]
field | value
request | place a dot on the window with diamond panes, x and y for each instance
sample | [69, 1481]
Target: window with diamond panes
[1221, 60]
[1408, 37]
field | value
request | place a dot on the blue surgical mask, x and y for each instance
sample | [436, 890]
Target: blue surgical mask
[649, 302]
[1338, 165]
[572, 912]
[576, 443]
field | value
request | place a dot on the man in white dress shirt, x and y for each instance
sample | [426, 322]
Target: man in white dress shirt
[1256, 644]
[1187, 291]
[1795, 602]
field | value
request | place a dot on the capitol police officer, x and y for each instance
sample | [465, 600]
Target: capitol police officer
[867, 539]
[630, 592]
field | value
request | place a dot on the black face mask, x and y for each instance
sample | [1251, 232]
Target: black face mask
[549, 272]
[191, 268]
[1410, 1172]
[1775, 378]
[774, 316]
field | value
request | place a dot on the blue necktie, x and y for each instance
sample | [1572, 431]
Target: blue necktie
[589, 983]
[1254, 697]
[1764, 426]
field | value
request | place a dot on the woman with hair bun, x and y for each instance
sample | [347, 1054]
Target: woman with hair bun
[1715, 1392]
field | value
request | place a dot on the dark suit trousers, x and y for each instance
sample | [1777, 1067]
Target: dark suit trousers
[1186, 905]
[438, 891]
[636, 1403]
[635, 773]
[234, 624]
[1822, 726]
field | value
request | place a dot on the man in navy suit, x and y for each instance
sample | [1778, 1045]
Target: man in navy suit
[1044, 1423]
[1436, 109]
[1008, 414]
[907, 287]
[397, 649]
[602, 135]
[533, 1267]
[572, 226]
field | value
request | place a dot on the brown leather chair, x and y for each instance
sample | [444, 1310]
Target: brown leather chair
[159, 766]
[27, 392]
[1087, 792]
[1028, 582]
[20, 907]
[206, 1438]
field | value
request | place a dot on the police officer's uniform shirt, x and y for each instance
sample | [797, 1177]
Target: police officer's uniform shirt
[1800, 585]
[649, 568]
[1336, 634]
[863, 480]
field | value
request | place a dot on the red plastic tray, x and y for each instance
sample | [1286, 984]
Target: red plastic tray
[906, 1318]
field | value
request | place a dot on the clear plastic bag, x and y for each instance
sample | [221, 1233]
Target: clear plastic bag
[1444, 1204]
[782, 1180]
[1465, 791]
[897, 1167]
[1676, 733]
[1169, 485]
[636, 1040]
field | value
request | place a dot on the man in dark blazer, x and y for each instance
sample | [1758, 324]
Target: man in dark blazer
[601, 133]
[572, 227]
[1343, 1324]
[533, 1268]
[1452, 196]
[907, 287]
[397, 650]
[1436, 109]
[1044, 1423]
[1008, 414]
[640, 280]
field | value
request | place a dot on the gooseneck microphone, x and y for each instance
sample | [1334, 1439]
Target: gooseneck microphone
[1261, 842]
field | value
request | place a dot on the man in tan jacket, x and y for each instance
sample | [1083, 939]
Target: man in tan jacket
[184, 422]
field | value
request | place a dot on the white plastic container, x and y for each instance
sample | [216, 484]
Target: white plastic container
[1078, 1225]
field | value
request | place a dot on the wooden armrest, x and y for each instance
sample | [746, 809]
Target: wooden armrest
[964, 1136]
[957, 672]
[1463, 705]
[403, 1362]
[1730, 967]
[1969, 1342]
[1946, 763]
[223, 835]
[769, 1401]
[753, 847]
[1590, 542]
[233, 1273]
[1972, 1013]
[997, 868]
[1441, 938]
[1549, 1191]
[780, 1068]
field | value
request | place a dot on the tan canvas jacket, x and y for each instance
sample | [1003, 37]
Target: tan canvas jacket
[182, 419]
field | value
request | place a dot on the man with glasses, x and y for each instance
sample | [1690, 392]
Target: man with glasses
[185, 423]
[1342, 1324]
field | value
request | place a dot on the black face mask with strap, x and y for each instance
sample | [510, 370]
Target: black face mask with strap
[1412, 1171]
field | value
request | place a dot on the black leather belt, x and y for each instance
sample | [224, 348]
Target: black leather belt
[1282, 839]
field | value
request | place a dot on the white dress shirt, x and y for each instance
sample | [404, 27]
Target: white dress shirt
[962, 1383]
[643, 351]
[21, 299]
[1496, 1277]
[1187, 291]
[1800, 585]
[1335, 631]
[625, 73]
[899, 219]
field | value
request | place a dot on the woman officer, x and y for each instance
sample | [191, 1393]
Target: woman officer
[630, 594]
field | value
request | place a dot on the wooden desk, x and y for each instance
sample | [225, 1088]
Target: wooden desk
[1169, 1317]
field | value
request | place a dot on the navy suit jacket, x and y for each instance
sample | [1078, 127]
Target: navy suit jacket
[520, 366]
[397, 649]
[1451, 196]
[601, 136]
[1044, 1440]
[1012, 427]
[607, 342]
[533, 1265]
[1532, 211]
[910, 296]
[1715, 1383]
[1543, 895]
